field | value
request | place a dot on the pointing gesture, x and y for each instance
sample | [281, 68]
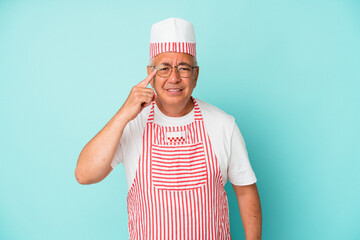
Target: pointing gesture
[144, 83]
[139, 97]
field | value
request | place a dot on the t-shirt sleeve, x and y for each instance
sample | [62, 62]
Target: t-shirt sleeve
[118, 156]
[130, 145]
[240, 171]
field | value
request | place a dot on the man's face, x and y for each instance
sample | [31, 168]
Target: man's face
[174, 90]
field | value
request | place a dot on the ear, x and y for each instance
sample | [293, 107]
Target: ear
[197, 69]
[149, 70]
[152, 83]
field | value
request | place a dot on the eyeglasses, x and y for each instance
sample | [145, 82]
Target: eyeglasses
[183, 70]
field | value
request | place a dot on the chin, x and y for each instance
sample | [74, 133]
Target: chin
[173, 100]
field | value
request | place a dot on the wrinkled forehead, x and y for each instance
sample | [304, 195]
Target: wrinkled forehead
[174, 58]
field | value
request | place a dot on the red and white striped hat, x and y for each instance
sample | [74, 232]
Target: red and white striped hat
[172, 35]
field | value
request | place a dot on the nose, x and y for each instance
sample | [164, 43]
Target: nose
[174, 77]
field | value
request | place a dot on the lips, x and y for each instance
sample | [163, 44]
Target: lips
[174, 89]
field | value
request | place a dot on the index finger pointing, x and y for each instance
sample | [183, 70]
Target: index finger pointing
[147, 80]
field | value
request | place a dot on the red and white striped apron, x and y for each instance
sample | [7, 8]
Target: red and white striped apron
[178, 191]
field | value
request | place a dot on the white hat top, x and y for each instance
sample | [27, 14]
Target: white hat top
[172, 35]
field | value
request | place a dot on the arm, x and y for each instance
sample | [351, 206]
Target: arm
[250, 210]
[95, 158]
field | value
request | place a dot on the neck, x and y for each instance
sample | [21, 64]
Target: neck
[175, 110]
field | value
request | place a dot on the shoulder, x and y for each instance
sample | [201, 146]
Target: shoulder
[214, 115]
[131, 138]
[139, 122]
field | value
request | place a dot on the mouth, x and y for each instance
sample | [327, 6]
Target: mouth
[174, 90]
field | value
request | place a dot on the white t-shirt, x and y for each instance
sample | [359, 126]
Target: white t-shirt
[225, 137]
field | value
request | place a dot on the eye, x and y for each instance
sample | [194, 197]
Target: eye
[163, 67]
[184, 68]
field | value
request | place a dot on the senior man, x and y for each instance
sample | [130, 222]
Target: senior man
[178, 151]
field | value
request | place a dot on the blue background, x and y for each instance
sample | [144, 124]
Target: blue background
[287, 70]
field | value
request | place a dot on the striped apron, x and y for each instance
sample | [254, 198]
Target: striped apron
[178, 192]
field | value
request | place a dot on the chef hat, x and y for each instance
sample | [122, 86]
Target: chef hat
[172, 35]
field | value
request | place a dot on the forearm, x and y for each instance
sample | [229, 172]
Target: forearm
[95, 158]
[250, 211]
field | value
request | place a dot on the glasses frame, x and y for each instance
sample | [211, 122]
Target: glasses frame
[177, 70]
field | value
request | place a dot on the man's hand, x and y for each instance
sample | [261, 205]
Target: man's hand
[95, 158]
[140, 97]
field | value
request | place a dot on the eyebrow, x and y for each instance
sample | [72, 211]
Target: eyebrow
[184, 63]
[181, 63]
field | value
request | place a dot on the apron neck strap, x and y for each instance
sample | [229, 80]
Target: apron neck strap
[151, 115]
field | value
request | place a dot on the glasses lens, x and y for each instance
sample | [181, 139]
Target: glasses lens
[184, 70]
[163, 70]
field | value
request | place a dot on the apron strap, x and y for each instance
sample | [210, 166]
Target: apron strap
[151, 115]
[197, 113]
